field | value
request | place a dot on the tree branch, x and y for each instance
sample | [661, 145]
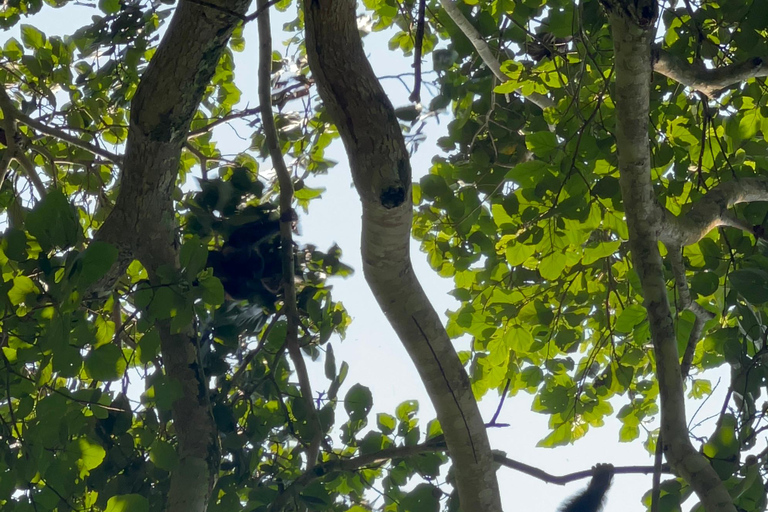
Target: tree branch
[711, 211]
[11, 111]
[286, 234]
[14, 152]
[381, 171]
[485, 53]
[632, 25]
[707, 81]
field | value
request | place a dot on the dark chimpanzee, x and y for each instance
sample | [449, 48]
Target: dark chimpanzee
[591, 499]
[249, 264]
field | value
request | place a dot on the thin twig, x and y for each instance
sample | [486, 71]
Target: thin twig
[418, 45]
[13, 112]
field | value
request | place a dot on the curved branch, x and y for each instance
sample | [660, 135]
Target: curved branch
[286, 233]
[707, 81]
[381, 172]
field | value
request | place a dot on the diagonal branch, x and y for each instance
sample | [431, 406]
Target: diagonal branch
[11, 111]
[14, 151]
[485, 53]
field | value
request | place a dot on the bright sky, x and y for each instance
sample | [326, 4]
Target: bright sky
[375, 355]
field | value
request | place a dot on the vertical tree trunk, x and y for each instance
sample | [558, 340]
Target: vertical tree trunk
[633, 25]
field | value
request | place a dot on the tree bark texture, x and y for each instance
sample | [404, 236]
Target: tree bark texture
[632, 23]
[142, 224]
[382, 175]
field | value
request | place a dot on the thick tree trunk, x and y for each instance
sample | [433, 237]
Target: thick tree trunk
[382, 175]
[142, 224]
[632, 22]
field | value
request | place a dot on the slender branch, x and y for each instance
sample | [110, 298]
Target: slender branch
[15, 152]
[235, 381]
[418, 46]
[701, 315]
[224, 119]
[485, 53]
[436, 444]
[261, 8]
[11, 111]
[707, 81]
[286, 231]
[29, 168]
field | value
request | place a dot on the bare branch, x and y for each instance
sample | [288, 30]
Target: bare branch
[707, 81]
[711, 211]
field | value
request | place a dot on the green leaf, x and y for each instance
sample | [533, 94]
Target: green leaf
[94, 262]
[105, 363]
[32, 37]
[519, 339]
[330, 363]
[213, 291]
[629, 318]
[358, 402]
[516, 253]
[109, 6]
[22, 287]
[602, 250]
[149, 346]
[89, 454]
[163, 455]
[424, 498]
[542, 143]
[54, 222]
[386, 422]
[193, 256]
[127, 503]
[751, 283]
[15, 244]
[552, 265]
[705, 283]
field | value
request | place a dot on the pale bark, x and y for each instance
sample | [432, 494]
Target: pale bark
[632, 23]
[711, 211]
[142, 224]
[705, 80]
[382, 175]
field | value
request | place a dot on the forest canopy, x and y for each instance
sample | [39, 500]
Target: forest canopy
[600, 203]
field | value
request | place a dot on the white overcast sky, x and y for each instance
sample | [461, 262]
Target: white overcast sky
[375, 355]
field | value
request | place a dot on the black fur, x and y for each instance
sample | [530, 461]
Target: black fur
[591, 499]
